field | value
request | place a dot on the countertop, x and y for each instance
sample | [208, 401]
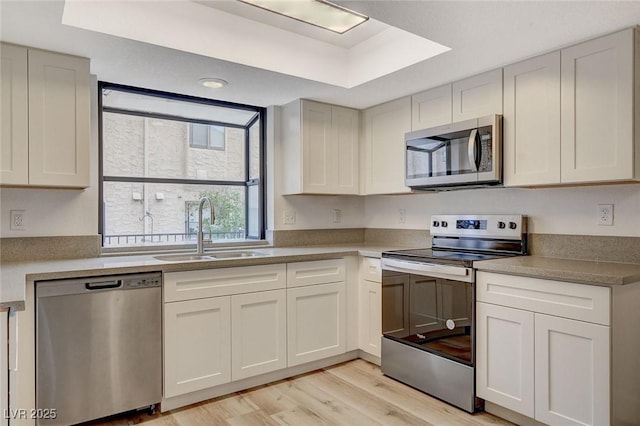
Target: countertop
[572, 270]
[15, 275]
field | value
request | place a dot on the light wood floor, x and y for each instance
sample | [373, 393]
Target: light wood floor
[353, 393]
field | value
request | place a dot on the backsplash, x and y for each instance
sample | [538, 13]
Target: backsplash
[586, 247]
[49, 248]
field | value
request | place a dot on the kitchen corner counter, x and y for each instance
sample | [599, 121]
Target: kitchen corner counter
[15, 275]
[572, 270]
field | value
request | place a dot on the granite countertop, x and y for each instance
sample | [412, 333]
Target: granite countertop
[15, 275]
[572, 270]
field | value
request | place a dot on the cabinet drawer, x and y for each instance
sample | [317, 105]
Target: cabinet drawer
[370, 269]
[575, 301]
[315, 272]
[223, 281]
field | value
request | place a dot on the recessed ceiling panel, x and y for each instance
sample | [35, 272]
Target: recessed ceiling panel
[197, 28]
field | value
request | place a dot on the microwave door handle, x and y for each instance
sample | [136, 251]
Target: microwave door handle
[471, 150]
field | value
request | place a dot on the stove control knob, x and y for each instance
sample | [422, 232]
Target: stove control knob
[501, 225]
[513, 225]
[436, 223]
[444, 224]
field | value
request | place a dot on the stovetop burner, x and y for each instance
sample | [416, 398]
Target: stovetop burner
[464, 239]
[446, 257]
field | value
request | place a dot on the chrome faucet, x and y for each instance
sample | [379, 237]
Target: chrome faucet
[213, 220]
[150, 216]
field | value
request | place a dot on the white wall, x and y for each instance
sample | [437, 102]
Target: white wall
[551, 210]
[57, 212]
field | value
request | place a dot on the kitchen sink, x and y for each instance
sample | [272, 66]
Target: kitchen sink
[234, 254]
[182, 257]
[209, 256]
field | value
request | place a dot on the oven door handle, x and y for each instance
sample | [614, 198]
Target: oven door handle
[423, 268]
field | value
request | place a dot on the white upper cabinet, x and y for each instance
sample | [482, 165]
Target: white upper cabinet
[57, 116]
[14, 148]
[532, 121]
[597, 125]
[320, 148]
[569, 115]
[383, 147]
[478, 96]
[431, 108]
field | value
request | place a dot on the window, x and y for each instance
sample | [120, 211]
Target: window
[206, 136]
[162, 152]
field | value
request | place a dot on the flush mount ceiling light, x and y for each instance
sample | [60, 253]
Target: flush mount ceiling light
[319, 13]
[213, 83]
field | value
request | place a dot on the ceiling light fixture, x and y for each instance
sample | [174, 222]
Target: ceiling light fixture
[213, 83]
[319, 13]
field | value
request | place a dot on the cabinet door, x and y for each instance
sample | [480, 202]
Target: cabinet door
[597, 109]
[370, 321]
[316, 147]
[532, 121]
[478, 96]
[572, 372]
[383, 150]
[345, 157]
[59, 120]
[197, 345]
[14, 145]
[258, 333]
[504, 357]
[315, 318]
[4, 366]
[431, 108]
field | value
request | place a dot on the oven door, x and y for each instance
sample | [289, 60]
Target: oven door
[429, 307]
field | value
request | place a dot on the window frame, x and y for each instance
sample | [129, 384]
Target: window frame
[260, 115]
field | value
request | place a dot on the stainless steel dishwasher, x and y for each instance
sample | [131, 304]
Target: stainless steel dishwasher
[98, 346]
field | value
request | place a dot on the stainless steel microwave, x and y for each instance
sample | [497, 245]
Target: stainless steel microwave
[462, 154]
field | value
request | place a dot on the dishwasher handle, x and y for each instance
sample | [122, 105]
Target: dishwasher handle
[103, 285]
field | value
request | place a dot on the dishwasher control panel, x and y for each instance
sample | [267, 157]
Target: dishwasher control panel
[142, 281]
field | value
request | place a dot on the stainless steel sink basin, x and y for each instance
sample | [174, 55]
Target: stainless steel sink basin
[234, 254]
[182, 257]
[208, 256]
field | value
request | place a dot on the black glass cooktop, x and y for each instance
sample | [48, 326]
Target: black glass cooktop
[451, 257]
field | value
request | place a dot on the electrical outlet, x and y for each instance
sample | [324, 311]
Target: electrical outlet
[605, 214]
[18, 220]
[289, 217]
[402, 216]
[337, 216]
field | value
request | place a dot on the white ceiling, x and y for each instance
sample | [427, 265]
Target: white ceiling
[208, 31]
[482, 34]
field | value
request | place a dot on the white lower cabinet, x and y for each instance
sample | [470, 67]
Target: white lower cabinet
[258, 333]
[228, 324]
[370, 306]
[572, 372]
[197, 345]
[504, 352]
[535, 357]
[370, 318]
[316, 322]
[239, 333]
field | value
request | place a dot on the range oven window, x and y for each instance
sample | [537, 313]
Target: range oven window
[432, 314]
